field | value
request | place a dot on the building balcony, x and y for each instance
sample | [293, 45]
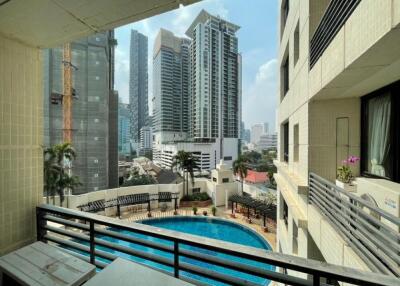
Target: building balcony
[84, 235]
[345, 56]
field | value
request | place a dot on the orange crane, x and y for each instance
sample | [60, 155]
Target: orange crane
[67, 94]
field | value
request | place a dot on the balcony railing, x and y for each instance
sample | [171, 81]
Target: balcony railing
[360, 224]
[84, 235]
[335, 16]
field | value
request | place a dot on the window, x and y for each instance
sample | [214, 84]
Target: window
[195, 190]
[227, 158]
[380, 153]
[225, 180]
[286, 142]
[214, 179]
[284, 12]
[296, 143]
[294, 241]
[296, 44]
[285, 212]
[285, 76]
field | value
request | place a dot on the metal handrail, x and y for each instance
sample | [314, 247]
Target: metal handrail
[96, 227]
[377, 243]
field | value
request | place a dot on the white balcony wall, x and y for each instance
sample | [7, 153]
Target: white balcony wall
[21, 133]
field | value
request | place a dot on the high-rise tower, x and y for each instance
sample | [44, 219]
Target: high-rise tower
[215, 104]
[171, 85]
[93, 109]
[138, 84]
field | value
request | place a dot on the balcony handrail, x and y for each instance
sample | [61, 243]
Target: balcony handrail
[106, 225]
[376, 242]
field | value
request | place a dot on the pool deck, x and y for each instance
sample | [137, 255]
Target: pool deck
[222, 212]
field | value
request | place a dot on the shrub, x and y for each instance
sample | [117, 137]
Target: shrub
[196, 197]
[194, 210]
[214, 211]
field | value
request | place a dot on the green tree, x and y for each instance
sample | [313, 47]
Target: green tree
[240, 168]
[188, 164]
[56, 176]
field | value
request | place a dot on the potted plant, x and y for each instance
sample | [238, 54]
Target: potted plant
[164, 207]
[345, 177]
[205, 213]
[214, 210]
[149, 214]
[194, 210]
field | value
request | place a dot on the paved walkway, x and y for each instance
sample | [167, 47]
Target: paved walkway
[221, 212]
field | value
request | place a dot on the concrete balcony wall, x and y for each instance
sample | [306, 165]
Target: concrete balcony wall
[331, 245]
[21, 136]
[366, 45]
[323, 158]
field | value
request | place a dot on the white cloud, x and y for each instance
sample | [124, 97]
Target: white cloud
[259, 99]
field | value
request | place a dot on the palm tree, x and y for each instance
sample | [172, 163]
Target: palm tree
[66, 181]
[191, 166]
[240, 167]
[56, 179]
[187, 163]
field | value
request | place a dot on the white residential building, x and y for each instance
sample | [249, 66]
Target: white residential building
[267, 141]
[215, 80]
[339, 85]
[256, 131]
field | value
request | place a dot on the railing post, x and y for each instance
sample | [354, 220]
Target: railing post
[92, 245]
[316, 279]
[40, 223]
[176, 259]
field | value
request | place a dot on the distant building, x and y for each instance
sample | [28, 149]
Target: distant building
[267, 141]
[266, 128]
[94, 109]
[247, 135]
[138, 84]
[123, 129]
[256, 131]
[145, 137]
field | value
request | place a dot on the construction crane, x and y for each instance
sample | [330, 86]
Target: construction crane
[67, 92]
[66, 97]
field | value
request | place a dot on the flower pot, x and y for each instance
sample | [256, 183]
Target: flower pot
[349, 187]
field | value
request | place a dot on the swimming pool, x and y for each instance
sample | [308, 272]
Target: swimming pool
[207, 227]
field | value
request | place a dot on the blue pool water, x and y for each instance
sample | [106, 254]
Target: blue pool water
[206, 227]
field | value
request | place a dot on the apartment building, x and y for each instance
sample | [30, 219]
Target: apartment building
[215, 103]
[339, 77]
[94, 109]
[171, 85]
[138, 85]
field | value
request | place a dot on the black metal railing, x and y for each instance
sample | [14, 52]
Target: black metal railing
[360, 224]
[335, 16]
[84, 235]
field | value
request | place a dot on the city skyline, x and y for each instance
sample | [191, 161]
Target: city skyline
[258, 54]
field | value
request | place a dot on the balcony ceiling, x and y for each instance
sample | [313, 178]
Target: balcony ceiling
[47, 23]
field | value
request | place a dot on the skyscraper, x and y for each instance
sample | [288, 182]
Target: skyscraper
[215, 81]
[138, 81]
[124, 147]
[171, 86]
[92, 81]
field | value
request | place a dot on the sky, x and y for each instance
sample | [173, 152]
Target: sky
[258, 44]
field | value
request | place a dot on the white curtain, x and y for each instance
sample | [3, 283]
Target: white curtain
[379, 109]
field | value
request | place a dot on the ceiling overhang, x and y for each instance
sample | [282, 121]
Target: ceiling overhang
[48, 23]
